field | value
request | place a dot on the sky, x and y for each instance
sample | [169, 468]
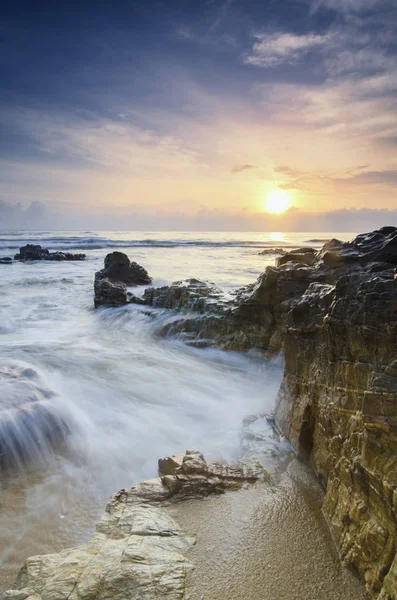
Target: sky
[182, 115]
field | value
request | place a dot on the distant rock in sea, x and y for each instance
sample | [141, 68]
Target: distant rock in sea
[36, 252]
[271, 251]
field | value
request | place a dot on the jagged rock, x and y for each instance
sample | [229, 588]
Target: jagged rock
[189, 295]
[36, 252]
[110, 284]
[118, 268]
[137, 551]
[108, 293]
[376, 246]
[305, 256]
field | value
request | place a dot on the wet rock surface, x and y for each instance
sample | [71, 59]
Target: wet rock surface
[36, 252]
[189, 295]
[138, 550]
[110, 284]
[338, 400]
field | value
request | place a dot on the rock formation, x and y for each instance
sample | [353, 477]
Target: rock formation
[36, 252]
[334, 314]
[336, 320]
[110, 284]
[138, 550]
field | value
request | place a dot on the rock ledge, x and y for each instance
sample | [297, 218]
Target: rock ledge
[137, 551]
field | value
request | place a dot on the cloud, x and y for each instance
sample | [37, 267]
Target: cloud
[388, 178]
[241, 168]
[18, 215]
[347, 6]
[274, 49]
[293, 179]
[139, 218]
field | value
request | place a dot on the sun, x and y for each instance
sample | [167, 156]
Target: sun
[278, 201]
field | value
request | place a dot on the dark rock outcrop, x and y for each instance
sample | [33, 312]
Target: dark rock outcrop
[189, 295]
[118, 268]
[36, 252]
[5, 260]
[110, 284]
[305, 256]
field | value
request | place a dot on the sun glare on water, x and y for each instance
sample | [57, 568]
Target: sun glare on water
[278, 201]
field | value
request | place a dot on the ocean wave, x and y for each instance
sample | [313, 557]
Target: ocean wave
[97, 243]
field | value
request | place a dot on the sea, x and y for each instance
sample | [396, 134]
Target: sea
[118, 394]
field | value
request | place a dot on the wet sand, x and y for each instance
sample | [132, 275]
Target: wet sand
[269, 542]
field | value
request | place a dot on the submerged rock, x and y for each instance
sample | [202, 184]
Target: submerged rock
[36, 252]
[271, 251]
[138, 550]
[110, 284]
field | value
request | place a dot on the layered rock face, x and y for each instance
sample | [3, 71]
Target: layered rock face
[138, 550]
[338, 400]
[110, 284]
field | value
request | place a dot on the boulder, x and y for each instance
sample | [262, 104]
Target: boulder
[118, 268]
[305, 256]
[108, 293]
[36, 252]
[138, 550]
[110, 284]
[5, 260]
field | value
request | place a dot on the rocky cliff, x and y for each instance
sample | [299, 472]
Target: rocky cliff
[338, 400]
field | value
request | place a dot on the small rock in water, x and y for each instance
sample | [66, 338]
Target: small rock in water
[36, 252]
[110, 284]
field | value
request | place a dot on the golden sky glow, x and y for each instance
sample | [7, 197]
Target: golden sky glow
[228, 121]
